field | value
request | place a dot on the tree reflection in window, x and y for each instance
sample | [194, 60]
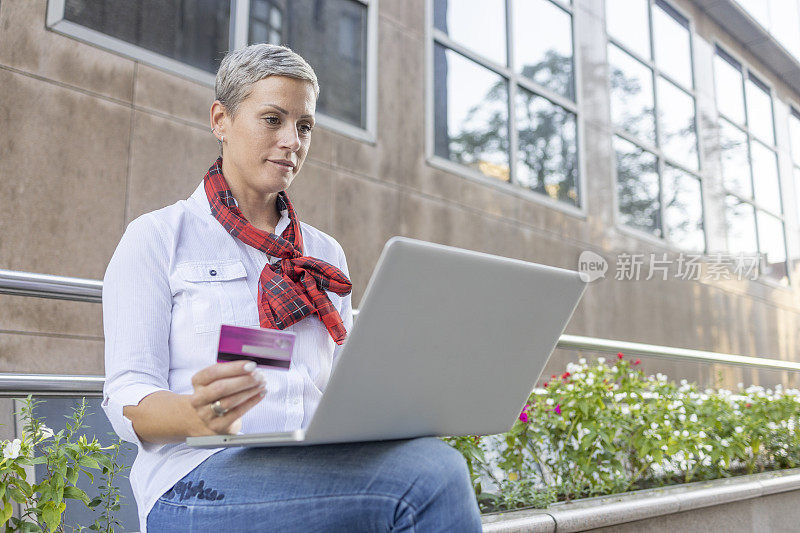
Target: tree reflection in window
[547, 161]
[637, 187]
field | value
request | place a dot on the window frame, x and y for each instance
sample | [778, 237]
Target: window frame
[434, 36]
[662, 160]
[237, 38]
[748, 72]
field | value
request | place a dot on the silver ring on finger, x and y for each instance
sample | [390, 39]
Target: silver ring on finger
[218, 409]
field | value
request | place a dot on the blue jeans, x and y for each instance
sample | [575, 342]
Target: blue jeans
[416, 485]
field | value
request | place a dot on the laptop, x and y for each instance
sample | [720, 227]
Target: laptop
[447, 342]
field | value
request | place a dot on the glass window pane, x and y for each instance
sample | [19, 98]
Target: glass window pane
[547, 160]
[332, 37]
[735, 163]
[677, 135]
[683, 209]
[671, 43]
[765, 177]
[741, 226]
[759, 112]
[543, 45]
[772, 246]
[631, 85]
[794, 133]
[627, 21]
[194, 32]
[637, 187]
[471, 114]
[797, 190]
[477, 24]
[728, 86]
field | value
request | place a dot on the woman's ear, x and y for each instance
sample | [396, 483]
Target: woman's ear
[218, 119]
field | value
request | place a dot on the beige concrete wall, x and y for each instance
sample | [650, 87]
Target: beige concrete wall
[91, 139]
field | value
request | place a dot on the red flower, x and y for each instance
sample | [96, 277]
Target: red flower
[619, 355]
[546, 384]
[749, 405]
[553, 376]
[565, 375]
[523, 416]
[557, 410]
[637, 362]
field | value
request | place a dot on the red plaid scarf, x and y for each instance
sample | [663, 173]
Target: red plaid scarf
[294, 287]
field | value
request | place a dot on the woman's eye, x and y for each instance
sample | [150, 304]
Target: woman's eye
[305, 128]
[272, 120]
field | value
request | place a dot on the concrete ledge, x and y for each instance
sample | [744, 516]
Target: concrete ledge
[604, 511]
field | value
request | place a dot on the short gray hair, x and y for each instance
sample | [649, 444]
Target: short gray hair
[241, 68]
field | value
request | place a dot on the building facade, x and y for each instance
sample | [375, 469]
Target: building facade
[662, 136]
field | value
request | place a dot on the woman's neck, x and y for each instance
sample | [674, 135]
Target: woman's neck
[261, 210]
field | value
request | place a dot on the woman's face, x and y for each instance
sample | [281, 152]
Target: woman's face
[267, 140]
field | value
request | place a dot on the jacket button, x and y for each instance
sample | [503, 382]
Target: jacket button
[212, 272]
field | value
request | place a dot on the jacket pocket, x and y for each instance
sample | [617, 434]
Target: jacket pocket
[210, 285]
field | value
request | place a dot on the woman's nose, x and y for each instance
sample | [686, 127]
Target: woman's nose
[290, 138]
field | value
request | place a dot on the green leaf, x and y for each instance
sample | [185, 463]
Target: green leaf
[103, 460]
[7, 511]
[72, 475]
[75, 493]
[17, 495]
[88, 462]
[51, 514]
[88, 474]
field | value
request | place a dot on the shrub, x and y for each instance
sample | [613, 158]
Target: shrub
[66, 455]
[604, 428]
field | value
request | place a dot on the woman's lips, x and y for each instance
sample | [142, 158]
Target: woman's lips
[286, 167]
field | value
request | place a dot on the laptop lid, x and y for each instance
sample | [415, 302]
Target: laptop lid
[447, 342]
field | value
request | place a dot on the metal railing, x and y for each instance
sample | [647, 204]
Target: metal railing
[86, 290]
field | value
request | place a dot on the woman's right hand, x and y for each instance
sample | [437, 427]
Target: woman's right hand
[237, 385]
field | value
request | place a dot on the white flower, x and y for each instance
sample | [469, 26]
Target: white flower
[682, 417]
[676, 433]
[654, 426]
[738, 429]
[549, 401]
[46, 432]
[601, 360]
[582, 360]
[685, 433]
[11, 449]
[702, 435]
[590, 381]
[693, 418]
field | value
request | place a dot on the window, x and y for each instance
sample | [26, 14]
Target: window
[332, 36]
[749, 163]
[503, 98]
[190, 32]
[190, 38]
[794, 138]
[651, 86]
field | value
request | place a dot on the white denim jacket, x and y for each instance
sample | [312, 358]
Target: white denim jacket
[162, 309]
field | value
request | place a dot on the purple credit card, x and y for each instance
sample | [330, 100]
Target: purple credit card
[266, 347]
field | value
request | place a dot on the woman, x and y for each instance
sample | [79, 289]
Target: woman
[236, 253]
